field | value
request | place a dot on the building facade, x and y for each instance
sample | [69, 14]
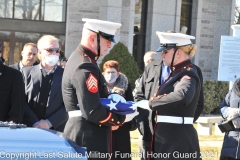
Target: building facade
[23, 21]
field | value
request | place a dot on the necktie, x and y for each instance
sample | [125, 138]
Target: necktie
[165, 73]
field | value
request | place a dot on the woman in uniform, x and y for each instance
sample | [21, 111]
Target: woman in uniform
[175, 102]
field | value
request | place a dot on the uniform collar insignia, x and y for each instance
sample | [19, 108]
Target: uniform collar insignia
[182, 65]
[88, 52]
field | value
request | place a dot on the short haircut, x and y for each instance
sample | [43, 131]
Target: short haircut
[45, 38]
[30, 44]
[111, 64]
[153, 54]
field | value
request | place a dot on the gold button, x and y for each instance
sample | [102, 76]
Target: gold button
[100, 125]
[118, 122]
[112, 120]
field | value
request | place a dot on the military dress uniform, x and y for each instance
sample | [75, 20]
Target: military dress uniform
[147, 88]
[177, 99]
[84, 84]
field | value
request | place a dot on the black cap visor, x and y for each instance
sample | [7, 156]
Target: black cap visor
[107, 36]
[166, 46]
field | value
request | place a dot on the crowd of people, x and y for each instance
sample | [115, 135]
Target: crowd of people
[65, 95]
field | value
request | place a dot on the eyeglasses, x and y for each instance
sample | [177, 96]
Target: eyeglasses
[51, 50]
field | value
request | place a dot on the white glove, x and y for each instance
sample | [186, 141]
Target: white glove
[224, 112]
[117, 98]
[232, 113]
[236, 122]
[142, 104]
[130, 116]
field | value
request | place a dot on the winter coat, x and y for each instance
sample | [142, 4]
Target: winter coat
[231, 145]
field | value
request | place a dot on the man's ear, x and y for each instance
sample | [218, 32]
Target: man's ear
[91, 38]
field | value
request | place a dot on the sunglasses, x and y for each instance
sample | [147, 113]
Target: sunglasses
[51, 50]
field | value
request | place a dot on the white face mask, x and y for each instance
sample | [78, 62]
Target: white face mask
[51, 60]
[111, 78]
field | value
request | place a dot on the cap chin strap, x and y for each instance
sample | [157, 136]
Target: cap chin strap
[175, 50]
[98, 46]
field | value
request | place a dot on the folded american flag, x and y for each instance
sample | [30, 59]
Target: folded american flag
[119, 108]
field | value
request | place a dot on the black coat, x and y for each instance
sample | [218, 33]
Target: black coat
[179, 96]
[148, 86]
[12, 96]
[84, 84]
[15, 66]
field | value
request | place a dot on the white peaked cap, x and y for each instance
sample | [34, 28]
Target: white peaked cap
[179, 39]
[102, 26]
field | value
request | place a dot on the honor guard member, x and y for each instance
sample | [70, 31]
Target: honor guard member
[153, 76]
[89, 125]
[175, 101]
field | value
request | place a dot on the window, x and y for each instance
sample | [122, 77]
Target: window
[186, 15]
[26, 9]
[45, 10]
[6, 8]
[53, 10]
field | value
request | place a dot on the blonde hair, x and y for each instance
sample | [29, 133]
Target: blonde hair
[189, 49]
[45, 38]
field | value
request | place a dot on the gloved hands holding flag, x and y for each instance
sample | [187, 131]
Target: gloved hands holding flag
[123, 108]
[117, 98]
[130, 116]
[142, 104]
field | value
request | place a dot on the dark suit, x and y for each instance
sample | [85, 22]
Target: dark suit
[15, 66]
[55, 109]
[12, 97]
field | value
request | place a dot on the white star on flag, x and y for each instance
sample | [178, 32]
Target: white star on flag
[112, 106]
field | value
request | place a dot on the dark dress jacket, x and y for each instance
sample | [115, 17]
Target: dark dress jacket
[84, 84]
[200, 104]
[55, 110]
[178, 97]
[12, 96]
[149, 83]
